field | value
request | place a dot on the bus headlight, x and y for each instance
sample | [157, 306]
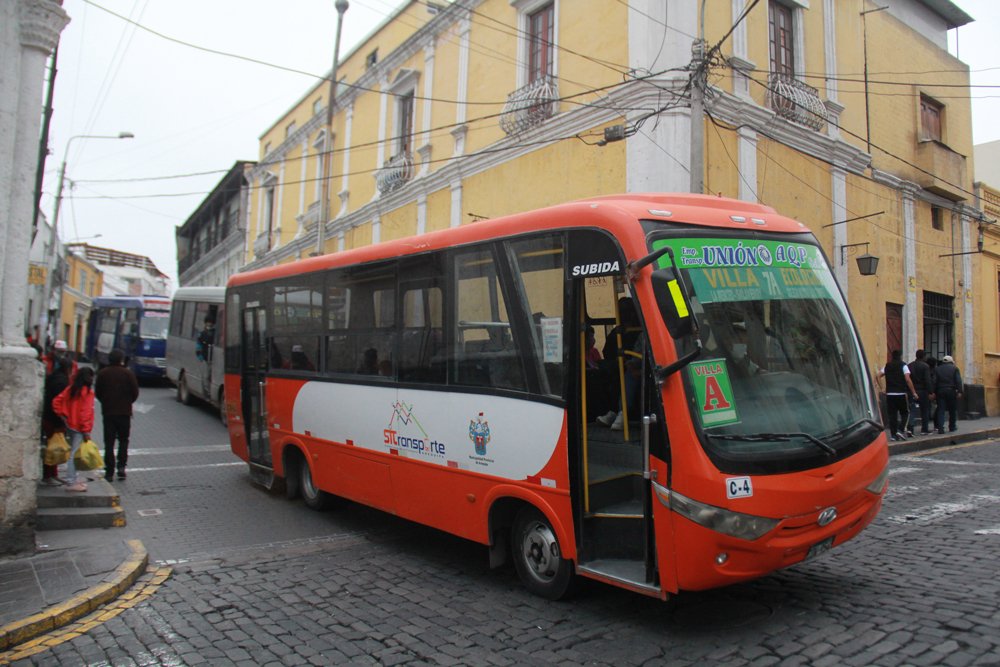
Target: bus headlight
[878, 485]
[734, 524]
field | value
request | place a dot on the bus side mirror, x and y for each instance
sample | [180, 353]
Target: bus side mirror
[673, 302]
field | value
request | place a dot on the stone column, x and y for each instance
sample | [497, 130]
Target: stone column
[29, 30]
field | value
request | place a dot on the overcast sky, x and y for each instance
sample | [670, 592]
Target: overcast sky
[193, 111]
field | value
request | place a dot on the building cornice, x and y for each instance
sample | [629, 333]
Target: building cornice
[741, 111]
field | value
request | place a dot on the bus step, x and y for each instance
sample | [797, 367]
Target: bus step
[613, 536]
[624, 489]
[621, 571]
[262, 475]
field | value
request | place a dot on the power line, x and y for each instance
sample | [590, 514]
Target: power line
[860, 138]
[430, 131]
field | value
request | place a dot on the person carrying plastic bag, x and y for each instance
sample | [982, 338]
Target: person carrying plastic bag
[76, 406]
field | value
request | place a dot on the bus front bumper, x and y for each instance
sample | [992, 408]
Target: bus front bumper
[709, 559]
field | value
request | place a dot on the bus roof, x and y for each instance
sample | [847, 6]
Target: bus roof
[605, 212]
[144, 301]
[207, 294]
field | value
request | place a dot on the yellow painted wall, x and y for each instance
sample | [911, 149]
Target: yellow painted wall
[399, 223]
[491, 70]
[579, 170]
[439, 210]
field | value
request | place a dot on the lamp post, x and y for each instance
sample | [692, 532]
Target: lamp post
[51, 258]
[341, 7]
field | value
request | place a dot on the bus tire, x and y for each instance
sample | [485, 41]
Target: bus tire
[537, 557]
[183, 393]
[312, 496]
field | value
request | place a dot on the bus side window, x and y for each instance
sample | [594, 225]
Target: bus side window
[421, 335]
[360, 332]
[484, 353]
[538, 264]
[187, 323]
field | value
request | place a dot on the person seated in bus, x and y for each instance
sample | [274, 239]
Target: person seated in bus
[630, 352]
[369, 362]
[298, 360]
[385, 368]
[205, 341]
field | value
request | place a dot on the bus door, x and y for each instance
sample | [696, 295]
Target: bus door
[611, 363]
[254, 366]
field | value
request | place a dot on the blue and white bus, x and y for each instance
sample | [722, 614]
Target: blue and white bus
[135, 324]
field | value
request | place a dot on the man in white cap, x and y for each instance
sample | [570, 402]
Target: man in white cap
[948, 389]
[58, 353]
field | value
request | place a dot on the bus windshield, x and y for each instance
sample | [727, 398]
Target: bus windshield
[780, 383]
[154, 324]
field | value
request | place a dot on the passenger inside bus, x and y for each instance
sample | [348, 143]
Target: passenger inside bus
[630, 352]
[369, 362]
[298, 360]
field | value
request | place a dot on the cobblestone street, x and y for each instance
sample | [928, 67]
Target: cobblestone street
[260, 580]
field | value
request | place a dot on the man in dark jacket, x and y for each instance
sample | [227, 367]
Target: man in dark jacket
[117, 389]
[898, 386]
[920, 374]
[948, 389]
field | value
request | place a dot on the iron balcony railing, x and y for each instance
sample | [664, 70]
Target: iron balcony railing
[395, 173]
[796, 101]
[530, 105]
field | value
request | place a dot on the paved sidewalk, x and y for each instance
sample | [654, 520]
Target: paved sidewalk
[85, 569]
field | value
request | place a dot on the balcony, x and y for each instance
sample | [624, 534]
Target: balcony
[530, 105]
[946, 167]
[795, 101]
[261, 245]
[395, 173]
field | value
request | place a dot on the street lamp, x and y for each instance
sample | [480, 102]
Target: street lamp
[51, 259]
[341, 7]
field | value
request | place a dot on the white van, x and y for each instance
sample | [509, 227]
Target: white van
[194, 345]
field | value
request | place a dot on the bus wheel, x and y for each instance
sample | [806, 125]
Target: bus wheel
[311, 496]
[183, 394]
[537, 557]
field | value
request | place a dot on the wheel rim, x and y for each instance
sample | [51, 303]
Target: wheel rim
[540, 551]
[308, 488]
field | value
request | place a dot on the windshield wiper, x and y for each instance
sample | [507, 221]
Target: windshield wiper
[776, 437]
[843, 431]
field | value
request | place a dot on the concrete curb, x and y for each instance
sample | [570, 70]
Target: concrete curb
[921, 444]
[81, 604]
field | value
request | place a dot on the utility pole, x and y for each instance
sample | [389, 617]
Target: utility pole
[52, 260]
[864, 46]
[699, 77]
[341, 7]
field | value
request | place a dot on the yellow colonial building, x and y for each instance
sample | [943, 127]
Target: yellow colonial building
[844, 115]
[988, 285]
[83, 281]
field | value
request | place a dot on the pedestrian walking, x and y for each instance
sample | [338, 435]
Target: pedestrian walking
[76, 407]
[55, 383]
[898, 386]
[948, 389]
[920, 375]
[117, 389]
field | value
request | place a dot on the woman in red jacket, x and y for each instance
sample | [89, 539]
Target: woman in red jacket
[76, 406]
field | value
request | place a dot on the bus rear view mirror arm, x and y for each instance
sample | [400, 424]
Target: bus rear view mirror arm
[663, 372]
[638, 265]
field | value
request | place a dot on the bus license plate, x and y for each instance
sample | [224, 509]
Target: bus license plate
[820, 548]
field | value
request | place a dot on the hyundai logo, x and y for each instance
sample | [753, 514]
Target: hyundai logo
[827, 516]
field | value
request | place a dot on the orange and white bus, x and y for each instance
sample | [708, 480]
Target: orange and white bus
[456, 379]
